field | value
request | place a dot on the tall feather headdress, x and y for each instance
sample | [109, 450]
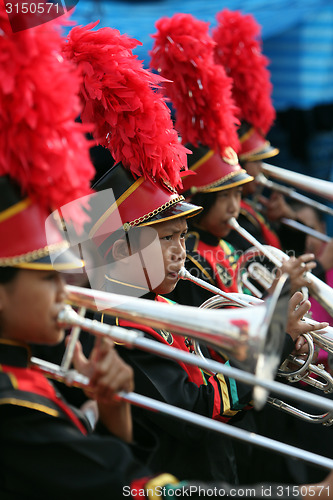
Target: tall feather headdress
[239, 50]
[132, 120]
[200, 92]
[199, 89]
[44, 153]
[119, 98]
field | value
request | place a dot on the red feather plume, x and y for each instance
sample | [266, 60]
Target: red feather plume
[239, 50]
[119, 98]
[199, 89]
[42, 148]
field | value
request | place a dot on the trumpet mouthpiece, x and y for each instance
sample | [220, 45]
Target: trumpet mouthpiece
[182, 272]
[232, 222]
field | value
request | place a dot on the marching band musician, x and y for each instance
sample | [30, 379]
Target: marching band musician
[238, 49]
[48, 448]
[144, 209]
[206, 117]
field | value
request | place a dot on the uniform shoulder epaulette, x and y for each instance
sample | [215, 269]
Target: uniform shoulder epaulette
[10, 394]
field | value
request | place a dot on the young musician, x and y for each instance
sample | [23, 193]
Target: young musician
[219, 180]
[238, 49]
[140, 233]
[48, 448]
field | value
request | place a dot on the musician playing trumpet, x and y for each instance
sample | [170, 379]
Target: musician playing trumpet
[139, 230]
[45, 443]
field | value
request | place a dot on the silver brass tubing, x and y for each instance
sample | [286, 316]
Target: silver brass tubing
[133, 338]
[322, 292]
[199, 420]
[305, 229]
[234, 298]
[291, 193]
[304, 182]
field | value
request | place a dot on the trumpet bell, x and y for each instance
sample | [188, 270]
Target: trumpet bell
[251, 338]
[269, 332]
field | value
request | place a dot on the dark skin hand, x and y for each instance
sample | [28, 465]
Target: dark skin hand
[108, 375]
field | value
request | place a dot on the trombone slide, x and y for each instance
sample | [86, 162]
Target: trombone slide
[135, 338]
[190, 417]
[306, 183]
[291, 193]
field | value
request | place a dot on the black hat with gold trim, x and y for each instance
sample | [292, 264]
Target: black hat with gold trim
[134, 123]
[239, 50]
[44, 155]
[200, 92]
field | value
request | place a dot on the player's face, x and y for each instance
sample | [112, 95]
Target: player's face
[253, 168]
[227, 204]
[29, 306]
[171, 235]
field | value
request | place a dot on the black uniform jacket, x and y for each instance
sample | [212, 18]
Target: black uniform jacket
[218, 268]
[47, 448]
[185, 450]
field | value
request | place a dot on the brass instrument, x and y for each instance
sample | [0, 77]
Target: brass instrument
[256, 348]
[305, 229]
[324, 340]
[316, 186]
[306, 368]
[291, 192]
[133, 338]
[322, 292]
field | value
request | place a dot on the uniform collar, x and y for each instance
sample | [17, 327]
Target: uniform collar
[206, 237]
[14, 353]
[123, 288]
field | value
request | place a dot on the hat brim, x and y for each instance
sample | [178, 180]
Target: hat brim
[179, 209]
[268, 151]
[64, 260]
[237, 180]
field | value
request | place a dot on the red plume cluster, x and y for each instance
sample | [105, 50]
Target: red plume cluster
[42, 148]
[119, 97]
[199, 89]
[239, 51]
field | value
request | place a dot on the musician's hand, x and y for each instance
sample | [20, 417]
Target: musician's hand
[296, 268]
[108, 374]
[276, 207]
[297, 309]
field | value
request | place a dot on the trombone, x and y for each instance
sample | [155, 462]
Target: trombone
[132, 338]
[316, 186]
[291, 192]
[305, 229]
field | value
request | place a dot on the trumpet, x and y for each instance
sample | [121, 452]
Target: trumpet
[306, 183]
[255, 347]
[323, 340]
[320, 290]
[134, 338]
